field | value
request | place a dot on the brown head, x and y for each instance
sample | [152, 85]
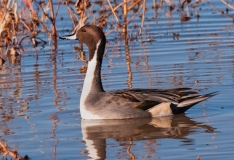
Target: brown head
[93, 37]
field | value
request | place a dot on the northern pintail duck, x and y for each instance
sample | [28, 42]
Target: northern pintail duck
[95, 103]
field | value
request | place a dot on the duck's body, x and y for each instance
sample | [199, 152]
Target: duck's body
[138, 103]
[95, 103]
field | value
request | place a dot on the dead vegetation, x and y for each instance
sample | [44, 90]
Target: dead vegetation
[20, 22]
[5, 150]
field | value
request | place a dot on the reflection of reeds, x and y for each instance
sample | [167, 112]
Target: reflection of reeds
[128, 62]
[129, 150]
[5, 150]
[220, 11]
[55, 120]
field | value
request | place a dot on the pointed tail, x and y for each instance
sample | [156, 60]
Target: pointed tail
[190, 101]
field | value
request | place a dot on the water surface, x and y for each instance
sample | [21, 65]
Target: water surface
[40, 92]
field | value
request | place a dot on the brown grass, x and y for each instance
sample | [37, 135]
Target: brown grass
[18, 24]
[5, 150]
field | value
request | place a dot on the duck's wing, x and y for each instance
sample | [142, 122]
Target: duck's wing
[159, 95]
[178, 100]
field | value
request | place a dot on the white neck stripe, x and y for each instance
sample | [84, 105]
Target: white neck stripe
[97, 46]
[88, 82]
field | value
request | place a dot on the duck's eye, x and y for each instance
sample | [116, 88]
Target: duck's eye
[83, 30]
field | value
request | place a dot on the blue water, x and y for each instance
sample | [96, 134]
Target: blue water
[39, 95]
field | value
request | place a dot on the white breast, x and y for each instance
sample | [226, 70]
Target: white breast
[87, 87]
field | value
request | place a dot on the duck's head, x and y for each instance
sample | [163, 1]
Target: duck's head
[92, 36]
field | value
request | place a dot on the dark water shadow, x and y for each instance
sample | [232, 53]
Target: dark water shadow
[95, 133]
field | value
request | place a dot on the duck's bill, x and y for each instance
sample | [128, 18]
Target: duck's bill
[70, 37]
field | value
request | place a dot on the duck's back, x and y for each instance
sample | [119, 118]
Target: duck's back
[139, 103]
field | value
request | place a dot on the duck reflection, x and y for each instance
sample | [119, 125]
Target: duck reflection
[96, 132]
